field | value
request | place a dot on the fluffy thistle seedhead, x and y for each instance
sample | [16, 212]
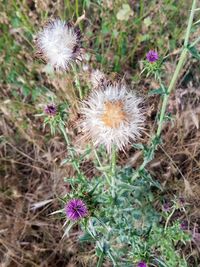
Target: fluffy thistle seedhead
[59, 44]
[76, 209]
[112, 116]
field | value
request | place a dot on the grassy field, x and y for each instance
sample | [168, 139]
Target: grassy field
[115, 42]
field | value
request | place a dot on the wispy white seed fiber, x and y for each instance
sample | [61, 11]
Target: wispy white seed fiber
[112, 116]
[59, 44]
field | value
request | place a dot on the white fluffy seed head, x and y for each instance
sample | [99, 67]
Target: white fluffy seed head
[97, 78]
[59, 44]
[112, 116]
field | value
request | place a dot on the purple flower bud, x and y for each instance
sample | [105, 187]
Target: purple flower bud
[50, 110]
[76, 209]
[184, 225]
[142, 264]
[181, 201]
[166, 207]
[152, 56]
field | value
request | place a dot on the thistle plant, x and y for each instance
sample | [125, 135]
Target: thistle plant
[116, 210]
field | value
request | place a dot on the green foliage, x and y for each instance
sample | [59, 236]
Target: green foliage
[194, 52]
[152, 68]
[127, 228]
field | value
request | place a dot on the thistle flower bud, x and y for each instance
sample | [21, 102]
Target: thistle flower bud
[50, 109]
[184, 225]
[59, 44]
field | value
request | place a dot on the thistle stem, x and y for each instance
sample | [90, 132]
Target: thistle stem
[77, 82]
[113, 170]
[100, 261]
[168, 218]
[77, 9]
[187, 35]
[141, 8]
[100, 164]
[172, 84]
[195, 42]
[92, 232]
[181, 62]
[62, 128]
[170, 88]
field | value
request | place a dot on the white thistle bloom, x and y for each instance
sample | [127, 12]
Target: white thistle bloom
[112, 116]
[59, 44]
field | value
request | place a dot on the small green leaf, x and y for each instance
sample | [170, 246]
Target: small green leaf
[64, 161]
[86, 237]
[66, 233]
[194, 52]
[139, 146]
[103, 168]
[158, 91]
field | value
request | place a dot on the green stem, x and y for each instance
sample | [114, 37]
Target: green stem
[113, 161]
[62, 128]
[141, 8]
[25, 19]
[67, 3]
[187, 35]
[177, 71]
[93, 236]
[170, 88]
[77, 12]
[112, 259]
[113, 170]
[100, 164]
[172, 84]
[168, 218]
[101, 258]
[92, 232]
[195, 42]
[77, 82]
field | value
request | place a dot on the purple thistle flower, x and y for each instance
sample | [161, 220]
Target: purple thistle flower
[142, 264]
[152, 56]
[50, 109]
[76, 209]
